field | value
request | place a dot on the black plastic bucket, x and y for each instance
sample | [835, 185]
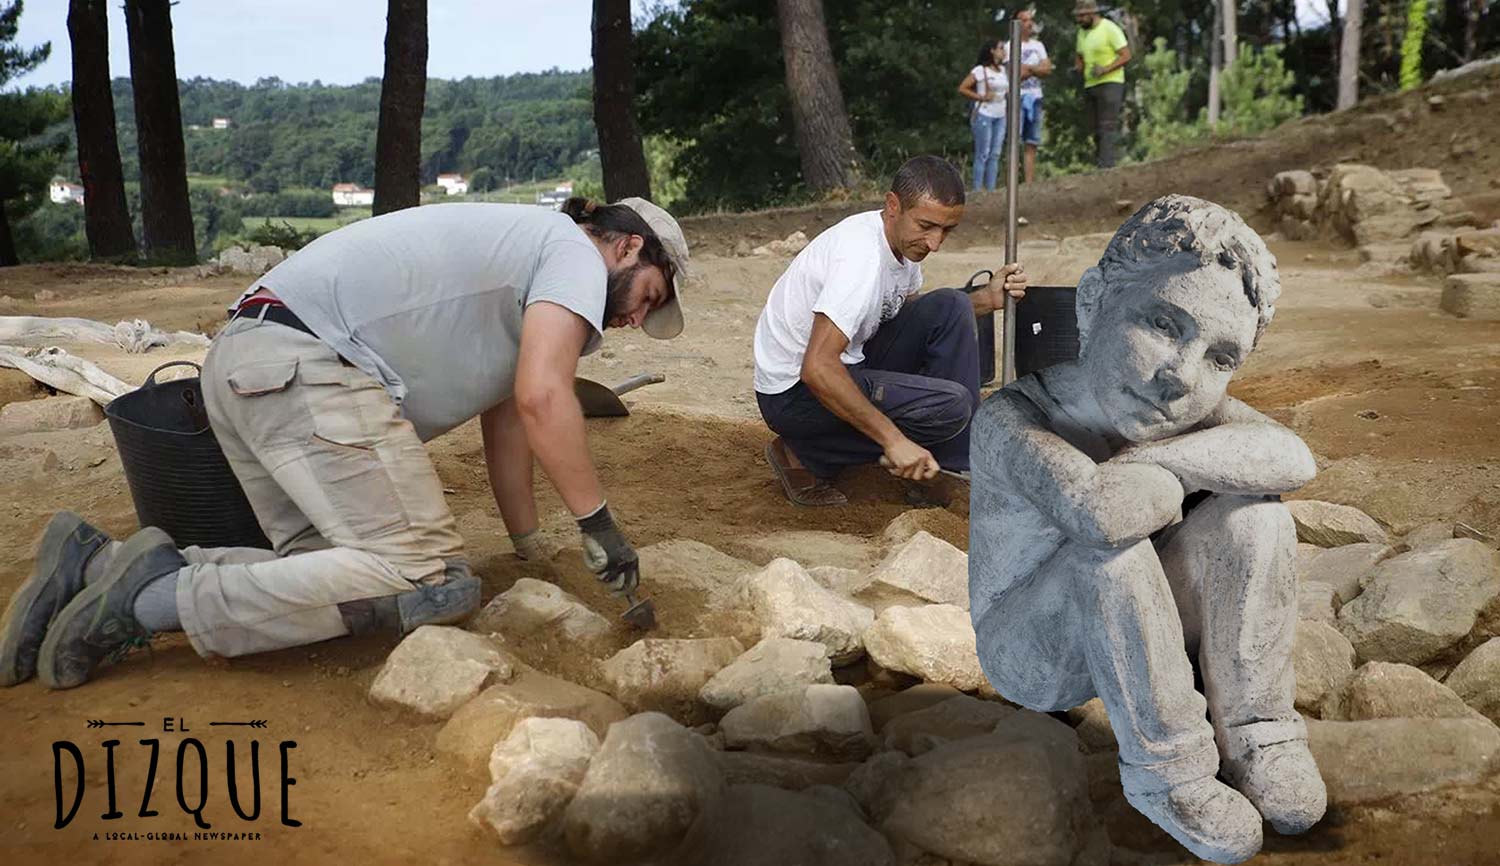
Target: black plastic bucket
[178, 476]
[1046, 328]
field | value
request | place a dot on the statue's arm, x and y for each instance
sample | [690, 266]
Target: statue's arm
[1110, 505]
[1234, 450]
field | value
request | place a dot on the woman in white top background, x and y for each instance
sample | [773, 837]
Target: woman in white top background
[986, 85]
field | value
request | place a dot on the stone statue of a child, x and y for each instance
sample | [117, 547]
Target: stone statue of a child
[1082, 579]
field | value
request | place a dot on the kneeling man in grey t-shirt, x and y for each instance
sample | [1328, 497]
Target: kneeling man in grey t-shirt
[336, 367]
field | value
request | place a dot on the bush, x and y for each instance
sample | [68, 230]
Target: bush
[289, 203]
[1257, 93]
[284, 235]
[482, 180]
[52, 233]
[1160, 96]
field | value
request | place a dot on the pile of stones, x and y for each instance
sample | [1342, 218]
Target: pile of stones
[846, 721]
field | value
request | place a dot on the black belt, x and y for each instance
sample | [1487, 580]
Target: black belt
[273, 313]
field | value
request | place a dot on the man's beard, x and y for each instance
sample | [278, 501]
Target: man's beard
[617, 291]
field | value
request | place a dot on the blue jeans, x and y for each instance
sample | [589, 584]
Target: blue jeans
[921, 370]
[989, 139]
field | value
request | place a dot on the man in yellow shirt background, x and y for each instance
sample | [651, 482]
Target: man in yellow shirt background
[1102, 54]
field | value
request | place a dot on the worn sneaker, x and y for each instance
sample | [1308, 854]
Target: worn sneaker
[1283, 782]
[99, 624]
[1209, 818]
[444, 603]
[67, 545]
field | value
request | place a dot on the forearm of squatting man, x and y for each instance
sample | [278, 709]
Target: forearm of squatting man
[831, 383]
[1246, 458]
[509, 462]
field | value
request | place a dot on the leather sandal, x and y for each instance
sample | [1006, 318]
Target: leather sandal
[801, 486]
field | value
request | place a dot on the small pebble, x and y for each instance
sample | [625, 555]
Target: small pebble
[286, 684]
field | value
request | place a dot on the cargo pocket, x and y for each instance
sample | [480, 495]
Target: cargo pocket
[357, 485]
[261, 379]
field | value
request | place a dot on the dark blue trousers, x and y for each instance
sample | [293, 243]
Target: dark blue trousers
[921, 370]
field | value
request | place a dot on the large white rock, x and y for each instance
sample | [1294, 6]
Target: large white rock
[1316, 602]
[1386, 690]
[48, 414]
[1329, 525]
[822, 719]
[785, 602]
[1419, 604]
[758, 825]
[643, 790]
[1323, 661]
[957, 718]
[1382, 758]
[1017, 796]
[532, 606]
[1477, 679]
[469, 737]
[935, 643]
[776, 664]
[534, 774]
[254, 260]
[836, 579]
[1344, 568]
[922, 570]
[686, 564]
[436, 669]
[666, 674]
[1428, 534]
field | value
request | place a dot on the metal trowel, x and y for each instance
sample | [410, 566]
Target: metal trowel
[602, 401]
[641, 614]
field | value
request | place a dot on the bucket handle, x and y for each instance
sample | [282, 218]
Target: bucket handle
[988, 275]
[151, 379]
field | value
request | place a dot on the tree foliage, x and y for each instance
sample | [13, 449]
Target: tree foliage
[28, 151]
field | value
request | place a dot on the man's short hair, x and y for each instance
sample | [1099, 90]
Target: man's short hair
[928, 177]
[1202, 234]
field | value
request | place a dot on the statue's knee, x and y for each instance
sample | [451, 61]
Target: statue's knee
[1254, 519]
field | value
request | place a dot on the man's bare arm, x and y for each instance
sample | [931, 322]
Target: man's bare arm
[1234, 450]
[824, 373]
[1109, 505]
[508, 459]
[551, 338]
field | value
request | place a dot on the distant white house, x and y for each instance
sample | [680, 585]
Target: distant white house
[221, 123]
[453, 184]
[63, 192]
[555, 198]
[352, 195]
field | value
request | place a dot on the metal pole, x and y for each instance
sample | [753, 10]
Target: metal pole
[1012, 180]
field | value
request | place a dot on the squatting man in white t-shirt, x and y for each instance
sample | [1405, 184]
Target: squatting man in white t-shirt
[852, 366]
[336, 367]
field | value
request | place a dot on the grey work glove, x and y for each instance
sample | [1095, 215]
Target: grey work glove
[533, 546]
[606, 552]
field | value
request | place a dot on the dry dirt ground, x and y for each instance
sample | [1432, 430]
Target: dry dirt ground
[1398, 400]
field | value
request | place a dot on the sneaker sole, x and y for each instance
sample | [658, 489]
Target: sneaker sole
[83, 603]
[49, 550]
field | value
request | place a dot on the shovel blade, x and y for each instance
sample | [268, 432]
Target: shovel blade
[641, 614]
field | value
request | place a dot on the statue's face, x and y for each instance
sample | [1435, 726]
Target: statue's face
[1160, 356]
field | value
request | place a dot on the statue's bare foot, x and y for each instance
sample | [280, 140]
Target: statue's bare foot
[1283, 783]
[1209, 818]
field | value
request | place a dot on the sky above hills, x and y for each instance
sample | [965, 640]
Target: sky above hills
[335, 41]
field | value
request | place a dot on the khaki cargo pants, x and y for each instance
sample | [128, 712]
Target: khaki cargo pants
[339, 482]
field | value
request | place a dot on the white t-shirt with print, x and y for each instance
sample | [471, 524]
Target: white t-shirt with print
[986, 81]
[849, 274]
[1033, 52]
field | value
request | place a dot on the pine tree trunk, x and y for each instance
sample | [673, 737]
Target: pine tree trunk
[1471, 28]
[7, 243]
[620, 153]
[1349, 56]
[403, 92]
[166, 215]
[819, 121]
[105, 214]
[1230, 11]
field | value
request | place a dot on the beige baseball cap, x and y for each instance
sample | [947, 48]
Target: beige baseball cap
[664, 322]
